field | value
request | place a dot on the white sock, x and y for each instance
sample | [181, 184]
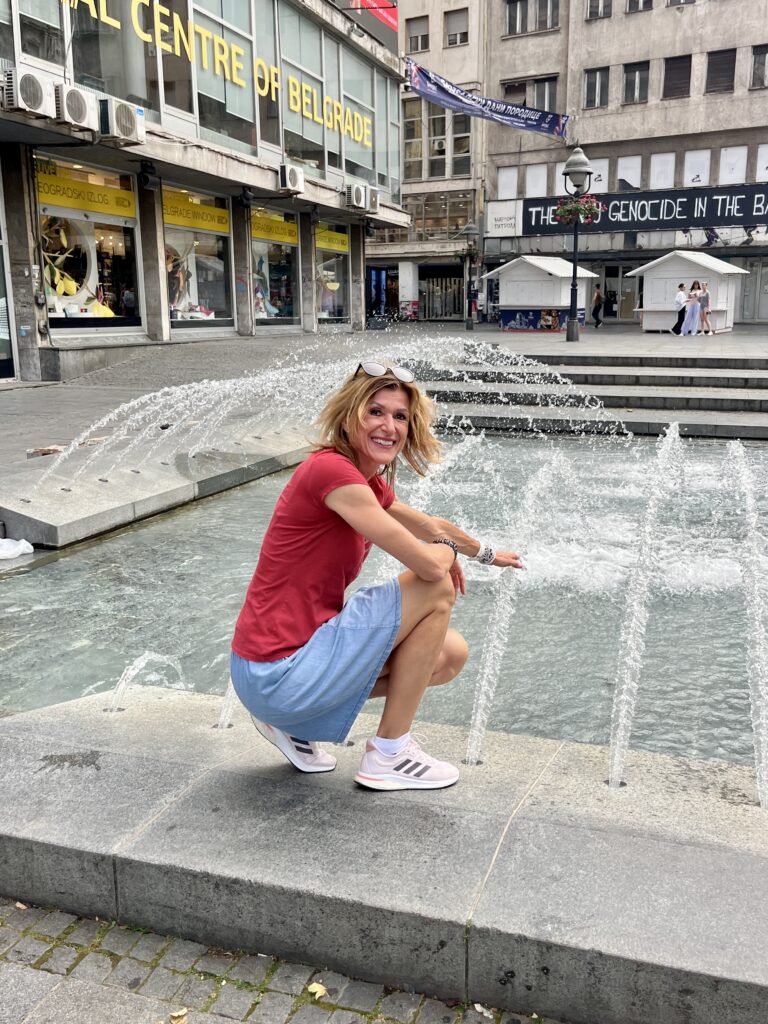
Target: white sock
[391, 747]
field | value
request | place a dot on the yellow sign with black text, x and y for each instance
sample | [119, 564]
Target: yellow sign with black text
[182, 211]
[273, 228]
[60, 190]
[335, 241]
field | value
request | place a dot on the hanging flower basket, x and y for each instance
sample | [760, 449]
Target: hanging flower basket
[586, 208]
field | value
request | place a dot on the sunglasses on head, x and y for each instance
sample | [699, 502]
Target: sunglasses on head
[380, 370]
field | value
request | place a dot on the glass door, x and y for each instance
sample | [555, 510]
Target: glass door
[7, 362]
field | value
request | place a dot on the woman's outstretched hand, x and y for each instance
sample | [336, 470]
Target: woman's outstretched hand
[508, 560]
[457, 575]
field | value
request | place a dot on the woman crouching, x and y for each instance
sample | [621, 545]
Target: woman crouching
[303, 661]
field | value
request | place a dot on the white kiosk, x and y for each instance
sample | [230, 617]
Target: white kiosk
[535, 293]
[662, 276]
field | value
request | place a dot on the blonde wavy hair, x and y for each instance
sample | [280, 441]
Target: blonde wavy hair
[345, 411]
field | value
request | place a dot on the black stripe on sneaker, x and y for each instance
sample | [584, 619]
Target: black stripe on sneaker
[399, 767]
[418, 774]
[413, 767]
[302, 750]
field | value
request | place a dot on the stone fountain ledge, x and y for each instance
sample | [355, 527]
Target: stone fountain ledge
[64, 512]
[529, 886]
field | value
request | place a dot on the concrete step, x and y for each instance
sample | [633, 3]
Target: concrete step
[611, 396]
[568, 420]
[629, 376]
[581, 356]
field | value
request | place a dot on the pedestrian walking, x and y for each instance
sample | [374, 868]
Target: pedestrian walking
[681, 300]
[691, 322]
[597, 305]
[303, 661]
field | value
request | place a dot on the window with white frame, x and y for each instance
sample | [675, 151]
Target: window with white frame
[532, 16]
[457, 27]
[636, 82]
[436, 143]
[461, 143]
[412, 141]
[759, 67]
[417, 34]
[679, 3]
[545, 94]
[598, 9]
[639, 5]
[596, 88]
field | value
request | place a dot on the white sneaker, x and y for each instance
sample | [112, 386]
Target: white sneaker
[303, 754]
[412, 768]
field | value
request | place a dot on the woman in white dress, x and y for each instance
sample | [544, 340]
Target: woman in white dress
[691, 322]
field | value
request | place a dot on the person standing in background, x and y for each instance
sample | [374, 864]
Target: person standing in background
[691, 322]
[705, 303]
[681, 300]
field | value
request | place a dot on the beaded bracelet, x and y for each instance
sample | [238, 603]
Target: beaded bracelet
[450, 543]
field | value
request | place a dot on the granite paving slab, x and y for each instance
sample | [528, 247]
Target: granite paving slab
[21, 990]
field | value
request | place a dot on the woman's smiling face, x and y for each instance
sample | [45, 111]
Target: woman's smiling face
[384, 430]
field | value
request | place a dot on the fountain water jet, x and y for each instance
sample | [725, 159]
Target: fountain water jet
[752, 553]
[632, 640]
[132, 671]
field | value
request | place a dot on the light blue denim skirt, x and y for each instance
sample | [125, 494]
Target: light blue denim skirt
[317, 692]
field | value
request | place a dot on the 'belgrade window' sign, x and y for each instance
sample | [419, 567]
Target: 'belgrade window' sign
[673, 209]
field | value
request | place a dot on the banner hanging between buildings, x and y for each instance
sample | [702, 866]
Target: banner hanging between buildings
[439, 90]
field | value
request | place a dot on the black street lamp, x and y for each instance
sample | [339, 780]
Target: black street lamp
[578, 174]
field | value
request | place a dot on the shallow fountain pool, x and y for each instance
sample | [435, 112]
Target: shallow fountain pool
[575, 508]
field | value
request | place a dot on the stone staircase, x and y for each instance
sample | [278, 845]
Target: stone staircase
[707, 396]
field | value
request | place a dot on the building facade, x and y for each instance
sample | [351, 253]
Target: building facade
[180, 170]
[668, 100]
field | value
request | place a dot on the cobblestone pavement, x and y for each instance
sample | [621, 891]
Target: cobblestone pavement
[57, 968]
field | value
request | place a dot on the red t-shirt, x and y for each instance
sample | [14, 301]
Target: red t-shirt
[308, 558]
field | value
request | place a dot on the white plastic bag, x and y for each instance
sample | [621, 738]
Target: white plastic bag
[15, 548]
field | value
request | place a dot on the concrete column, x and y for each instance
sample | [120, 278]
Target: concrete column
[356, 277]
[157, 319]
[308, 273]
[408, 288]
[23, 254]
[243, 263]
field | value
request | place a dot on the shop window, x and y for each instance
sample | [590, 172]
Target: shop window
[596, 87]
[636, 82]
[417, 34]
[332, 272]
[113, 60]
[721, 70]
[6, 31]
[457, 27]
[677, 77]
[197, 259]
[41, 29]
[86, 226]
[276, 270]
[6, 349]
[759, 67]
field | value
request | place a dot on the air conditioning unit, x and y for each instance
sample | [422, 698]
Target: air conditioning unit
[121, 123]
[291, 179]
[373, 200]
[357, 196]
[439, 145]
[77, 108]
[30, 92]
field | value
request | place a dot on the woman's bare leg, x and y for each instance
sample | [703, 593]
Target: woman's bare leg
[424, 652]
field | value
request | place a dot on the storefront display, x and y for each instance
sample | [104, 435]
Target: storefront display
[89, 265]
[275, 253]
[332, 271]
[197, 259]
